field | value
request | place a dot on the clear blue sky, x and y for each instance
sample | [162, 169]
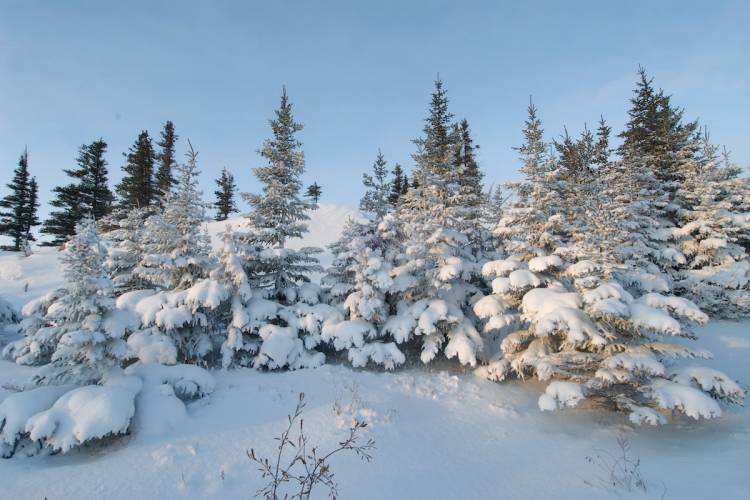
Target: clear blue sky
[359, 74]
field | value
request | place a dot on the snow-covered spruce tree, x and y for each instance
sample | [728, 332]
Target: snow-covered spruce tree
[586, 325]
[338, 279]
[285, 314]
[124, 237]
[656, 132]
[467, 199]
[175, 244]
[433, 274]
[531, 222]
[661, 149]
[376, 198]
[279, 214]
[176, 259]
[359, 280]
[80, 338]
[717, 273]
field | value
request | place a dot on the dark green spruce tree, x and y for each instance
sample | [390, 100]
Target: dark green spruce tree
[399, 185]
[88, 195]
[137, 188]
[656, 133]
[18, 209]
[166, 158]
[225, 203]
[314, 191]
[31, 219]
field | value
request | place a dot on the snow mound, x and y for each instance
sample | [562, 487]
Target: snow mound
[18, 408]
[87, 413]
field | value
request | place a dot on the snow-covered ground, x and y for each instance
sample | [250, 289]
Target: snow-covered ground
[439, 433]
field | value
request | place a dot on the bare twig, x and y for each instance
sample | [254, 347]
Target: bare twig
[306, 469]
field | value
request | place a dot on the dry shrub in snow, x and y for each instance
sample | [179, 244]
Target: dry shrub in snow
[297, 470]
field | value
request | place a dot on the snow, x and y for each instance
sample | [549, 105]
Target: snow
[86, 413]
[149, 347]
[17, 408]
[385, 354]
[502, 267]
[690, 401]
[560, 394]
[542, 264]
[417, 418]
[493, 437]
[346, 334]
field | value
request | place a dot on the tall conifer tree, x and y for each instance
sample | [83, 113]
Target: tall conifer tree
[137, 189]
[18, 208]
[88, 196]
[165, 178]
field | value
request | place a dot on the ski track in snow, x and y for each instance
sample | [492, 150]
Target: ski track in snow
[440, 433]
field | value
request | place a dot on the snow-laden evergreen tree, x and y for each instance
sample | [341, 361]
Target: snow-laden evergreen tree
[137, 188]
[124, 239]
[339, 277]
[434, 272]
[531, 223]
[717, 272]
[257, 331]
[263, 294]
[175, 260]
[359, 280]
[225, 204]
[164, 177]
[467, 197]
[279, 213]
[88, 195]
[80, 336]
[376, 198]
[18, 209]
[657, 135]
[175, 245]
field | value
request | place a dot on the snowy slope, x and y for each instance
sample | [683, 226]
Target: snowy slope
[440, 433]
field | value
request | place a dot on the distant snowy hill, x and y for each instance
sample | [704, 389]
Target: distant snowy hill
[25, 278]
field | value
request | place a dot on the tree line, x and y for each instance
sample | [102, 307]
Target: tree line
[580, 274]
